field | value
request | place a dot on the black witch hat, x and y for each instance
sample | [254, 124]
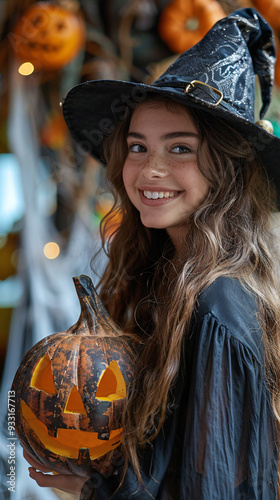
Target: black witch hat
[216, 75]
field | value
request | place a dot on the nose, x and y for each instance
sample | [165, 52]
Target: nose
[154, 167]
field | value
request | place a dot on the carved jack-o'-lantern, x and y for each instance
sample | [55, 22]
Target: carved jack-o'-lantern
[48, 36]
[71, 389]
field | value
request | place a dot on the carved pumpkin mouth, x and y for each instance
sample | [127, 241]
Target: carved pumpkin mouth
[46, 47]
[69, 441]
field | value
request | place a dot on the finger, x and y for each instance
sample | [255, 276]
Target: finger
[34, 463]
[70, 484]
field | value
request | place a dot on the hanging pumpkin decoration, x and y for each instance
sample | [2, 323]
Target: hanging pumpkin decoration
[48, 36]
[71, 388]
[183, 23]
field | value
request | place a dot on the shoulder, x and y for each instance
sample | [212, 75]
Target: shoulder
[234, 310]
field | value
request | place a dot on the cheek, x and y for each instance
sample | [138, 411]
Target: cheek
[199, 192]
[203, 187]
[194, 183]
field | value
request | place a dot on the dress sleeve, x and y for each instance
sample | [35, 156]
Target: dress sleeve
[219, 441]
[229, 445]
[154, 461]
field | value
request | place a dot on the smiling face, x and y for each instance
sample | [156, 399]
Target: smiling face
[160, 173]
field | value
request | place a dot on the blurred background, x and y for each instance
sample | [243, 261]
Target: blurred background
[52, 195]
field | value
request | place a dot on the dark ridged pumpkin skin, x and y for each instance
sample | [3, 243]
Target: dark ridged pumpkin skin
[88, 359]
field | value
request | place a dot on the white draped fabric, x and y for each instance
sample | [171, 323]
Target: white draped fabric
[49, 303]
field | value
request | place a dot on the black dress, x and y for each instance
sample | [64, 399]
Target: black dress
[219, 438]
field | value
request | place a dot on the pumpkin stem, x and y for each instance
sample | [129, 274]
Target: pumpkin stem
[94, 318]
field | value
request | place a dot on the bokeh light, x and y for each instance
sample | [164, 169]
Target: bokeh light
[26, 69]
[51, 250]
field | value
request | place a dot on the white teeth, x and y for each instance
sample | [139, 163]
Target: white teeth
[162, 194]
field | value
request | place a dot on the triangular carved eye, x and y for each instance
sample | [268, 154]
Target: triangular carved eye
[111, 385]
[74, 402]
[42, 378]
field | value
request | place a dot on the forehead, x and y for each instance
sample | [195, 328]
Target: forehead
[162, 114]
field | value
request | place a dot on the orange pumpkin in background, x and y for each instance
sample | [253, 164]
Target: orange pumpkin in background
[183, 23]
[277, 63]
[48, 36]
[270, 10]
[71, 388]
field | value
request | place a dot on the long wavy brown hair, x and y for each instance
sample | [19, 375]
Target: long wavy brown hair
[152, 294]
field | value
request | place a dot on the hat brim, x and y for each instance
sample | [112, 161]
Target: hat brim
[93, 109]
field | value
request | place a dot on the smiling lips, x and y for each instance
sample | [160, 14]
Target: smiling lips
[154, 195]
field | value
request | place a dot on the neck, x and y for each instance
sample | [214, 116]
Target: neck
[177, 236]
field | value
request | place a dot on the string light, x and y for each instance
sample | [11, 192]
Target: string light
[26, 69]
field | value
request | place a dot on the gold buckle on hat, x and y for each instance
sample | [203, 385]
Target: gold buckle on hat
[194, 83]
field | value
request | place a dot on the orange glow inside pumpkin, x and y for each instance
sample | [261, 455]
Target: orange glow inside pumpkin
[111, 385]
[69, 441]
[42, 377]
[74, 402]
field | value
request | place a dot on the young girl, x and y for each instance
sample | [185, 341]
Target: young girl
[192, 270]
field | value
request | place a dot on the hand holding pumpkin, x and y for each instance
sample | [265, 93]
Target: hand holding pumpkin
[64, 482]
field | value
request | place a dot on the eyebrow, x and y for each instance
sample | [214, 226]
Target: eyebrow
[171, 135]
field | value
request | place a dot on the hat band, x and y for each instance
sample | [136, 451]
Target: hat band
[196, 89]
[192, 85]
